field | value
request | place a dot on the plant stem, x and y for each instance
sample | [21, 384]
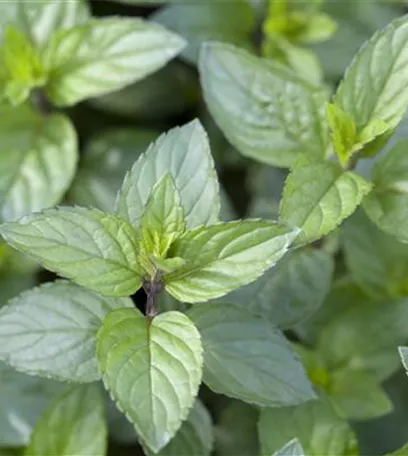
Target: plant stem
[152, 287]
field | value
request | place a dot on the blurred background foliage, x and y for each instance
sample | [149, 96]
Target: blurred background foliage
[362, 318]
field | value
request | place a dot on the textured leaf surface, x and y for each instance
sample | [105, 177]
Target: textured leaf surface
[185, 154]
[291, 291]
[195, 435]
[387, 204]
[383, 64]
[73, 425]
[94, 249]
[51, 331]
[376, 260]
[107, 158]
[267, 112]
[153, 371]
[105, 55]
[37, 161]
[317, 206]
[230, 22]
[247, 358]
[319, 430]
[225, 256]
[23, 399]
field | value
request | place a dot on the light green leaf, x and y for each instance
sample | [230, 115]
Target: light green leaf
[40, 19]
[319, 430]
[90, 247]
[169, 92]
[247, 358]
[318, 206]
[51, 331]
[401, 452]
[22, 400]
[403, 352]
[292, 448]
[382, 63]
[103, 166]
[185, 154]
[236, 430]
[376, 260]
[225, 256]
[195, 436]
[153, 370]
[364, 337]
[73, 425]
[387, 205]
[105, 55]
[267, 112]
[357, 396]
[162, 221]
[37, 160]
[290, 292]
[197, 22]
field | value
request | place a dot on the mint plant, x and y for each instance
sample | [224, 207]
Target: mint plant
[203, 222]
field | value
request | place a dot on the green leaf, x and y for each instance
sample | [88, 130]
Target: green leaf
[73, 425]
[382, 63]
[387, 205]
[51, 331]
[105, 55]
[225, 256]
[37, 163]
[90, 247]
[401, 452]
[292, 448]
[153, 370]
[39, 20]
[319, 430]
[263, 370]
[22, 400]
[120, 429]
[357, 396]
[318, 206]
[267, 112]
[403, 352]
[169, 92]
[185, 154]
[364, 337]
[236, 430]
[376, 260]
[290, 292]
[194, 437]
[103, 166]
[162, 221]
[197, 22]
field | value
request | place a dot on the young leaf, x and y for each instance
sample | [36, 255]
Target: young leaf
[37, 163]
[267, 112]
[23, 399]
[358, 396]
[194, 437]
[90, 247]
[292, 448]
[103, 166]
[231, 22]
[387, 205]
[185, 154]
[290, 292]
[73, 425]
[376, 260]
[51, 331]
[318, 206]
[263, 370]
[163, 219]
[364, 337]
[383, 63]
[105, 55]
[319, 430]
[153, 370]
[222, 257]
